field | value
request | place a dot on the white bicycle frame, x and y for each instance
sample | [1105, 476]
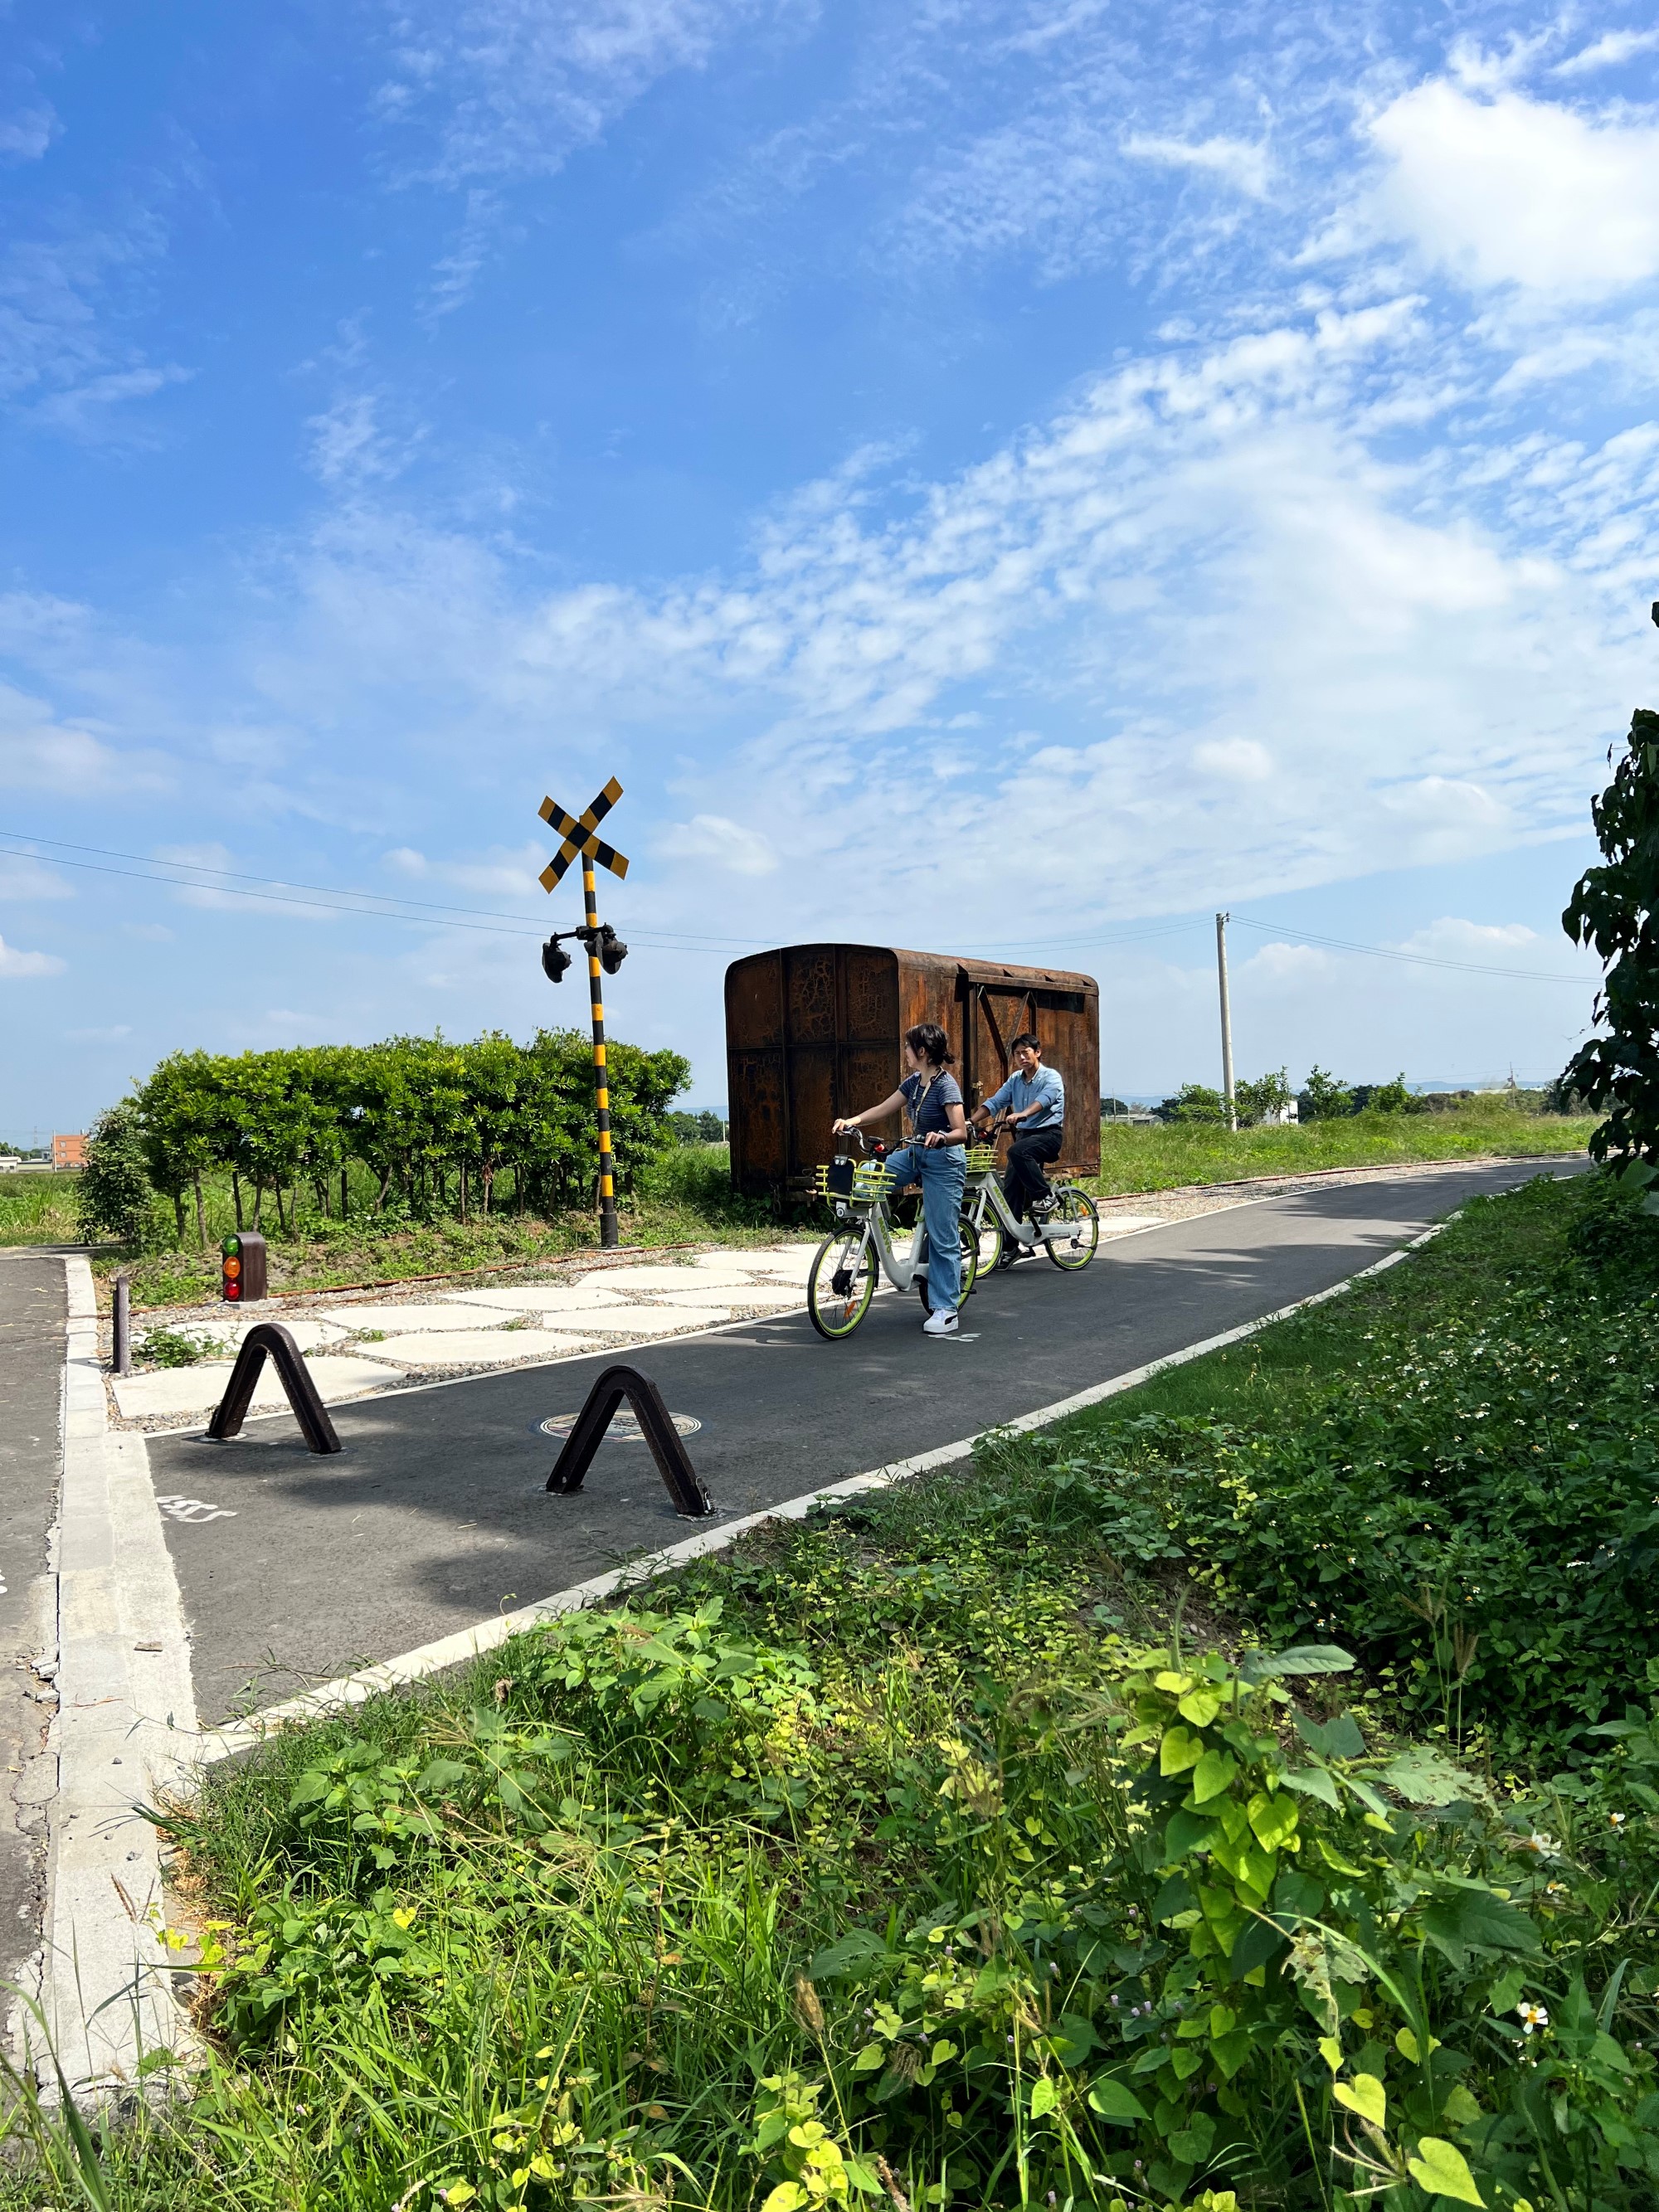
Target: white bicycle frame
[901, 1273]
[989, 1192]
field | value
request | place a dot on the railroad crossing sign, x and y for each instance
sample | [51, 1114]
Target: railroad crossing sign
[603, 946]
[579, 836]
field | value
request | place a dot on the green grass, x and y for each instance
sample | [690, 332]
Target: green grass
[1172, 1154]
[38, 1209]
[848, 1822]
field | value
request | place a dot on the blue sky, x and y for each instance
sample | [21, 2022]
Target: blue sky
[997, 476]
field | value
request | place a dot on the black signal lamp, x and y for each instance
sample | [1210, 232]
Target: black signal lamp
[555, 961]
[612, 950]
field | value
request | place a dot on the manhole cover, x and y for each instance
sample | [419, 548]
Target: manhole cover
[624, 1425]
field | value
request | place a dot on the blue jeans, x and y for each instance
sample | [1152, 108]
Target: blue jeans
[942, 1173]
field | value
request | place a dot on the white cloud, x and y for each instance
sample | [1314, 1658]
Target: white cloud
[725, 844]
[1609, 52]
[26, 134]
[349, 445]
[112, 1035]
[514, 87]
[22, 877]
[39, 751]
[15, 962]
[1236, 161]
[1240, 760]
[1511, 191]
[63, 298]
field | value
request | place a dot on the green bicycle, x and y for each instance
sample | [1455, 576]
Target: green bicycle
[859, 1249]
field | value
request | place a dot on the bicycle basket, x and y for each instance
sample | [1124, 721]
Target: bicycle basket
[854, 1183]
[980, 1160]
[836, 1180]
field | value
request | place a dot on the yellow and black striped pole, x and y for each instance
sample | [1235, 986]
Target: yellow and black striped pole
[608, 1234]
[578, 833]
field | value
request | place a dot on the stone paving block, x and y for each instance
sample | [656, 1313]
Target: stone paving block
[308, 1330]
[340, 1375]
[539, 1297]
[658, 1321]
[794, 1262]
[752, 1295]
[628, 1281]
[190, 1390]
[481, 1347]
[399, 1320]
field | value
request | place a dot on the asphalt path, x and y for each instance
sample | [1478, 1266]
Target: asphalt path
[295, 1570]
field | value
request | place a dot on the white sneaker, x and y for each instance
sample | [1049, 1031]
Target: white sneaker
[942, 1321]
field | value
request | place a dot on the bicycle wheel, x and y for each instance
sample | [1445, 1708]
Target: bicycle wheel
[842, 1281]
[987, 1243]
[969, 1250]
[1074, 1211]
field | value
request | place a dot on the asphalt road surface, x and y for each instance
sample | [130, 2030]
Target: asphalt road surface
[296, 1569]
[32, 1299]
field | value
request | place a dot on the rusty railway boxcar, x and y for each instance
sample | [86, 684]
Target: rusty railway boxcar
[814, 1030]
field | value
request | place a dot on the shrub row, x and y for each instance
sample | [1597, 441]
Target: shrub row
[436, 1124]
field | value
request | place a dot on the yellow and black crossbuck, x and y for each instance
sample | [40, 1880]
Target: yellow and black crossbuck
[579, 836]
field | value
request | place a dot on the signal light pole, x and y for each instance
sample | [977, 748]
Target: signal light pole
[606, 950]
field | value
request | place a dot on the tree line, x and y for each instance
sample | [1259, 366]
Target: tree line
[440, 1128]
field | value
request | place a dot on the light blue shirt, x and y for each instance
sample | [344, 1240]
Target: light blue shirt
[1020, 1091]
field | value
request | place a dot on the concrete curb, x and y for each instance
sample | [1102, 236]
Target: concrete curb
[124, 1737]
[469, 1644]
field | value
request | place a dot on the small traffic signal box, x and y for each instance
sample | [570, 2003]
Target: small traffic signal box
[242, 1269]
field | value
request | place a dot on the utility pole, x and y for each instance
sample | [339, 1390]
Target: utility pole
[605, 948]
[1221, 921]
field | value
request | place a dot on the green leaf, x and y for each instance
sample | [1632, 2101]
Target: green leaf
[1184, 1832]
[1506, 1989]
[1443, 2170]
[1212, 1774]
[1424, 1777]
[1113, 2100]
[1179, 1750]
[1273, 1819]
[1335, 1739]
[1475, 1920]
[1300, 1659]
[1192, 2143]
[872, 2056]
[1365, 2095]
[852, 1953]
[1044, 2098]
[1313, 1782]
[787, 2196]
[1200, 1706]
[864, 2177]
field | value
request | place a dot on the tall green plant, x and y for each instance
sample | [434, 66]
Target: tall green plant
[1614, 909]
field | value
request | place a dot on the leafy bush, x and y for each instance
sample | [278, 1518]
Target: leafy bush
[112, 1195]
[1615, 909]
[1323, 1097]
[1194, 1101]
[1264, 1098]
[178, 1348]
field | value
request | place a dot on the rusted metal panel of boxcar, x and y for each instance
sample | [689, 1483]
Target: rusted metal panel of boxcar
[813, 1031]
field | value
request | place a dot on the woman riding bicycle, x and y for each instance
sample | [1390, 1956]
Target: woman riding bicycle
[933, 1158]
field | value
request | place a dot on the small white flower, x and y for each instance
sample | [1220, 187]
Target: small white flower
[1532, 2016]
[1615, 1819]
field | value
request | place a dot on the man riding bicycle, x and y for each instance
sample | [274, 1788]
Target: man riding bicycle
[1033, 1101]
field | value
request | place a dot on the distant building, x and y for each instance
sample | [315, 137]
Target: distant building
[69, 1151]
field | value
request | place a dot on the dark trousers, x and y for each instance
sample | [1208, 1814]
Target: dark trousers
[1024, 1179]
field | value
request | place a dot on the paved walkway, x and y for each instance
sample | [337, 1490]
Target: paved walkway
[295, 1571]
[31, 1384]
[356, 1346]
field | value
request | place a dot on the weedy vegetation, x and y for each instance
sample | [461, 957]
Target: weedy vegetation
[1246, 1795]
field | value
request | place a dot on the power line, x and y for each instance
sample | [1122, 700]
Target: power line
[273, 886]
[1415, 959]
